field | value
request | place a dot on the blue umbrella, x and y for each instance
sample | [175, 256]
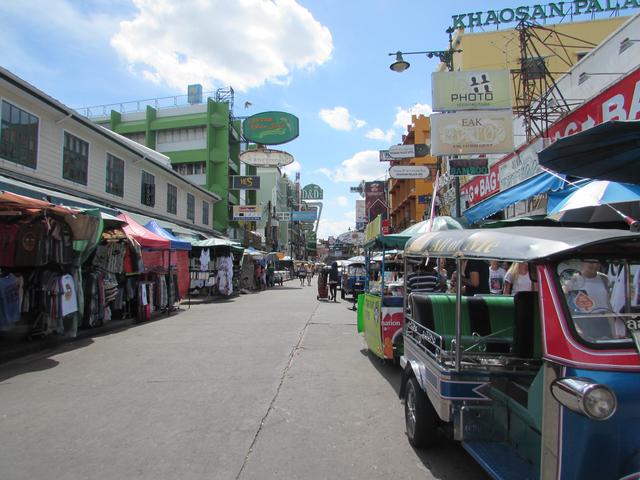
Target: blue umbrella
[599, 201]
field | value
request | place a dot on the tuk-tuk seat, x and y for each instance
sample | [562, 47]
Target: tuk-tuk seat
[481, 316]
[527, 341]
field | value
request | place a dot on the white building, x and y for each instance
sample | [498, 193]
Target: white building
[49, 145]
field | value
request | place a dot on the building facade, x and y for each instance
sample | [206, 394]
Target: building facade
[201, 138]
[52, 148]
[410, 200]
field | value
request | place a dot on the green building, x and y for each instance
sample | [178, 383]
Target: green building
[201, 137]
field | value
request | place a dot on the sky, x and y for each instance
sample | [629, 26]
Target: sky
[325, 61]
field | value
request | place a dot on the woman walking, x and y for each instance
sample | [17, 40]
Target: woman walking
[334, 278]
[302, 274]
[309, 273]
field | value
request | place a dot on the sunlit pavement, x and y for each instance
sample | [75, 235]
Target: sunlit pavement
[273, 384]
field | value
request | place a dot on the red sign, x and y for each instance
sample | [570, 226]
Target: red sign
[386, 227]
[482, 187]
[392, 321]
[375, 197]
[620, 101]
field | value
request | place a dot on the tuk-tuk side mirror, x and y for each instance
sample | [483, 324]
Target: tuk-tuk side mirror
[583, 396]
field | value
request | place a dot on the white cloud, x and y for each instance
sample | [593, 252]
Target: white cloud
[250, 44]
[343, 201]
[339, 118]
[378, 134]
[292, 168]
[365, 165]
[332, 227]
[403, 117]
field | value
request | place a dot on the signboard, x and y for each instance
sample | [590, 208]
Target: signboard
[385, 156]
[373, 229]
[312, 192]
[520, 166]
[468, 166]
[618, 102]
[264, 157]
[386, 227]
[351, 238]
[473, 132]
[304, 216]
[270, 128]
[194, 93]
[283, 216]
[469, 90]
[375, 199]
[540, 13]
[424, 199]
[311, 238]
[404, 172]
[250, 213]
[397, 152]
[245, 182]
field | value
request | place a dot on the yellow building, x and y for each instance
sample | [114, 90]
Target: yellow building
[409, 199]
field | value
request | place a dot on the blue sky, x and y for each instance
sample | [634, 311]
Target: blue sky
[325, 61]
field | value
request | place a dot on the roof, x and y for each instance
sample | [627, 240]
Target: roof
[145, 153]
[524, 243]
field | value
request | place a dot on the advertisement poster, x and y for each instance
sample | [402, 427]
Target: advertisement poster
[472, 132]
[392, 321]
[371, 323]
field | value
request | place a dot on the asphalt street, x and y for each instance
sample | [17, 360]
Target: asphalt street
[267, 385]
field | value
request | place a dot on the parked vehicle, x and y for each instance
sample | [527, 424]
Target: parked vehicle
[544, 384]
[354, 279]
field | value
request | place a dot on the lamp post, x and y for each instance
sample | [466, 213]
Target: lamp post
[446, 57]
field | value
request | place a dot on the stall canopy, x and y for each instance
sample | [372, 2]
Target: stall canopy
[218, 242]
[541, 183]
[146, 238]
[608, 151]
[176, 243]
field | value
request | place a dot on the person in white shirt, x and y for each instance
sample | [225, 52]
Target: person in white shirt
[496, 277]
[517, 279]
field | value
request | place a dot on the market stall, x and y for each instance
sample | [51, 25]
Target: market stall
[178, 256]
[214, 265]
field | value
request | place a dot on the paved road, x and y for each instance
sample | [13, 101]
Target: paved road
[267, 385]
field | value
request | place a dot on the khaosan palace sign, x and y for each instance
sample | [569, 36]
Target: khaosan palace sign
[541, 12]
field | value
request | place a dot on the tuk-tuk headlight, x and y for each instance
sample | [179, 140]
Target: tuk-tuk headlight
[586, 397]
[599, 402]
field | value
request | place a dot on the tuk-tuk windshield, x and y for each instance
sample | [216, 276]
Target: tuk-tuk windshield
[601, 296]
[357, 271]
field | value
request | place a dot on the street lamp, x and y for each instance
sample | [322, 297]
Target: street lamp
[446, 57]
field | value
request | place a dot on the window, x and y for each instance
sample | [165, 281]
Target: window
[176, 135]
[148, 189]
[191, 207]
[115, 175]
[18, 136]
[138, 137]
[205, 213]
[75, 159]
[172, 199]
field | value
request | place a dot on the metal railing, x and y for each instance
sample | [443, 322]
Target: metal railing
[225, 94]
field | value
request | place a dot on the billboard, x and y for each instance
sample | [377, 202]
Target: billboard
[470, 90]
[249, 213]
[472, 132]
[245, 182]
[375, 199]
[270, 128]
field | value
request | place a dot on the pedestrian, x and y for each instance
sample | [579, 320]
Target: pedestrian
[302, 274]
[517, 279]
[309, 274]
[475, 277]
[334, 278]
[496, 277]
[270, 274]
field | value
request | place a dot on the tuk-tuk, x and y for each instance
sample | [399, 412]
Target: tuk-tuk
[543, 384]
[354, 279]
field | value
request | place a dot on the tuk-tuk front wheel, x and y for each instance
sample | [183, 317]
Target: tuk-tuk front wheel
[421, 418]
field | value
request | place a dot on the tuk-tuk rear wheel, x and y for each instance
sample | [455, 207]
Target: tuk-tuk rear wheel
[421, 418]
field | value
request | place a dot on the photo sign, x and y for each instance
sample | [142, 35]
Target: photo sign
[470, 90]
[312, 192]
[245, 182]
[270, 128]
[471, 133]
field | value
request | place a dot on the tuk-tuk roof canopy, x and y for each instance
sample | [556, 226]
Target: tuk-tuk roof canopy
[523, 243]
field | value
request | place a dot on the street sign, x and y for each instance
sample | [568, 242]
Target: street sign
[270, 128]
[283, 216]
[385, 156]
[245, 182]
[312, 192]
[397, 152]
[251, 213]
[468, 166]
[405, 172]
[264, 157]
[304, 216]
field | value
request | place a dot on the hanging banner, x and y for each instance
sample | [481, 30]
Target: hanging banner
[470, 90]
[473, 132]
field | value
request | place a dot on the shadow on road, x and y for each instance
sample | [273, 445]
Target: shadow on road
[390, 372]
